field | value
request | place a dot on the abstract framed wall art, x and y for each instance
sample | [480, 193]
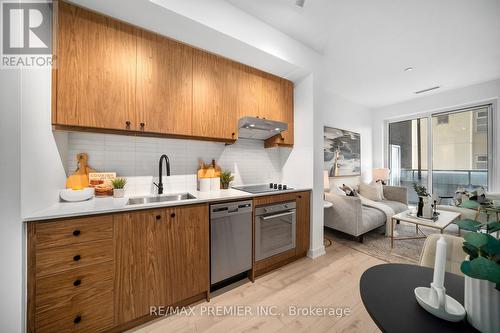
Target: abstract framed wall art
[342, 152]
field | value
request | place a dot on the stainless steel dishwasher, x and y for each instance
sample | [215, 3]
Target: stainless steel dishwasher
[230, 239]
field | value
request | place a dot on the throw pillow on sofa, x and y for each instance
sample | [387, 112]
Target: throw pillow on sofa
[373, 191]
[350, 192]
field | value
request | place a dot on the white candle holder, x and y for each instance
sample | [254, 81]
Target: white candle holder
[434, 299]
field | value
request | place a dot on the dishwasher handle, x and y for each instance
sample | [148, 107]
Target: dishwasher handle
[230, 209]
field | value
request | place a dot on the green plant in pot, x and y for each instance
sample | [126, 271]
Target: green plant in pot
[482, 281]
[225, 178]
[119, 187]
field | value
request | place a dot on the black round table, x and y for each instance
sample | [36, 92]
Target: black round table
[387, 292]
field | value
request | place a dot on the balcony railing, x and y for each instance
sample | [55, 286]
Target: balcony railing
[444, 182]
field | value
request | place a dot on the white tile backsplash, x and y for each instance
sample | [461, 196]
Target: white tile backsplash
[137, 159]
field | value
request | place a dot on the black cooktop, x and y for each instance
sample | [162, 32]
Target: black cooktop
[263, 188]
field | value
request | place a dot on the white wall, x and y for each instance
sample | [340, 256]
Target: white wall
[42, 168]
[11, 240]
[436, 102]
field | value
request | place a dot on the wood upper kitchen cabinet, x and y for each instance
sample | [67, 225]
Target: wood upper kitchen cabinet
[277, 103]
[95, 70]
[215, 99]
[162, 258]
[164, 84]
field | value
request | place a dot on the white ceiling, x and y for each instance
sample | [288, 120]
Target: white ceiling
[367, 43]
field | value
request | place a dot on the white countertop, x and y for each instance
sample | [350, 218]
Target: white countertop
[111, 205]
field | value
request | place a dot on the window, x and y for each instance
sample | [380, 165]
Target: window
[442, 119]
[482, 162]
[442, 151]
[481, 121]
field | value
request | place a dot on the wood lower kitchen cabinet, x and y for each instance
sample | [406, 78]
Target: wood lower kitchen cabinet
[98, 273]
[162, 258]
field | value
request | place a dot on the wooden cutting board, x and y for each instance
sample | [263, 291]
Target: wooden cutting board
[80, 178]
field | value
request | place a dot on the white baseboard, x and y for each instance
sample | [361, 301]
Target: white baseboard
[317, 252]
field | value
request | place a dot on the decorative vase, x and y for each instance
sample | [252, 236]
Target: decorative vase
[420, 206]
[482, 304]
[119, 192]
[224, 186]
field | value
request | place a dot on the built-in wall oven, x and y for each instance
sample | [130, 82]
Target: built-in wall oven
[275, 229]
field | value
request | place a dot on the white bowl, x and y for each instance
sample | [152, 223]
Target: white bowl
[77, 195]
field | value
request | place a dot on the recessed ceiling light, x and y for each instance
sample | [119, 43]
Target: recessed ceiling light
[252, 125]
[277, 129]
[408, 69]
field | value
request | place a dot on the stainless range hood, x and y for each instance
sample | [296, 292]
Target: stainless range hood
[258, 128]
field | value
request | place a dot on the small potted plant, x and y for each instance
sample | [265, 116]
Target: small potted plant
[225, 178]
[482, 281]
[119, 187]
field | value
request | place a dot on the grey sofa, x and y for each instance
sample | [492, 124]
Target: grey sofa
[351, 217]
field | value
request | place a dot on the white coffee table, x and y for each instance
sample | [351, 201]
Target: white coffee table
[445, 219]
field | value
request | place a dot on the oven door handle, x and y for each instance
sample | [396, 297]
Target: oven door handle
[268, 217]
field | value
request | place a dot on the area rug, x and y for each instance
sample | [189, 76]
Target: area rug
[377, 245]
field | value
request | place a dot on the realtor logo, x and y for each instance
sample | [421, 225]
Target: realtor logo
[26, 33]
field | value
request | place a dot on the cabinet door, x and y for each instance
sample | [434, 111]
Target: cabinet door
[96, 68]
[214, 97]
[303, 223]
[161, 258]
[134, 246]
[249, 91]
[164, 84]
[187, 240]
[277, 104]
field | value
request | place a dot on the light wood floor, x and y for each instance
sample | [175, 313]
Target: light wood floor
[329, 281]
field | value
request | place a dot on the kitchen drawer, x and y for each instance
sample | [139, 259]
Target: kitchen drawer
[63, 258]
[57, 290]
[76, 231]
[94, 314]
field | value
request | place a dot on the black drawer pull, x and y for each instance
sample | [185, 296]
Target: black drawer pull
[142, 125]
[77, 257]
[158, 217]
[76, 233]
[300, 197]
[77, 319]
[77, 282]
[172, 215]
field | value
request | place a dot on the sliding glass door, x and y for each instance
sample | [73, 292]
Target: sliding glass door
[441, 151]
[408, 154]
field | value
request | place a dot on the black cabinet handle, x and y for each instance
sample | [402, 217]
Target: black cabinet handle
[127, 123]
[233, 134]
[77, 319]
[172, 215]
[78, 282]
[77, 257]
[299, 196]
[76, 233]
[142, 125]
[158, 217]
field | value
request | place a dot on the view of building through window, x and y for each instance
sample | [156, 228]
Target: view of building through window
[459, 143]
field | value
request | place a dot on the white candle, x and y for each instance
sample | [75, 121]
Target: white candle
[439, 263]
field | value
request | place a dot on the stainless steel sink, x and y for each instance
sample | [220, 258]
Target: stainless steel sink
[160, 198]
